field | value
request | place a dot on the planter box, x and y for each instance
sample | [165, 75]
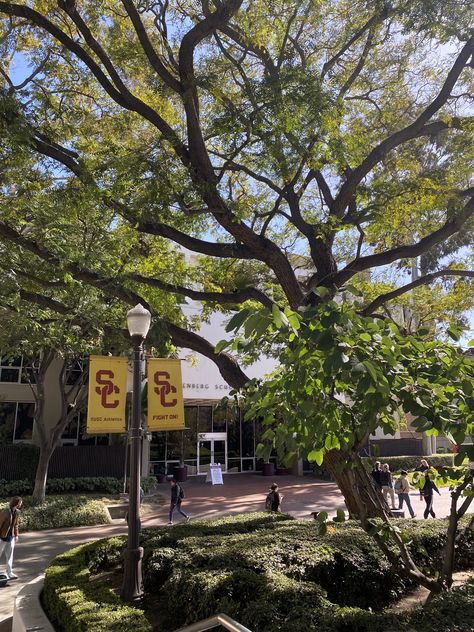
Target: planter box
[283, 471]
[268, 469]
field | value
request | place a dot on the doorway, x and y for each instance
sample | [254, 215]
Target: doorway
[211, 448]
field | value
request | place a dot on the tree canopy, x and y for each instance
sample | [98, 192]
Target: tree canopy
[288, 145]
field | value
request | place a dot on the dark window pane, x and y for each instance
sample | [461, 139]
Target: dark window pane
[7, 422]
[24, 422]
[248, 447]
[205, 419]
[190, 435]
[158, 447]
[233, 434]
[233, 465]
[219, 419]
[174, 443]
[10, 375]
[248, 465]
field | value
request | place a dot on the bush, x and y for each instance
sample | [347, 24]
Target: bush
[269, 572]
[410, 463]
[280, 575]
[74, 603]
[62, 511]
[101, 484]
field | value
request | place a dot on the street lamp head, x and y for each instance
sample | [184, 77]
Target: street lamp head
[138, 321]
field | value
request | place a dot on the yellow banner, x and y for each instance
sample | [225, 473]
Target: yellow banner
[165, 395]
[107, 394]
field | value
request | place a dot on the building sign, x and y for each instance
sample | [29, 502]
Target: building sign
[107, 394]
[165, 395]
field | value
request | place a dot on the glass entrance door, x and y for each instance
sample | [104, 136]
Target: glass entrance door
[211, 448]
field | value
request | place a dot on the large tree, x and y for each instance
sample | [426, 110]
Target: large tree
[293, 147]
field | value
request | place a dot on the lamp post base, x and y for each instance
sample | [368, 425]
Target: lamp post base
[132, 587]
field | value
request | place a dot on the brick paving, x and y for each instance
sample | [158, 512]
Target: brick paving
[239, 494]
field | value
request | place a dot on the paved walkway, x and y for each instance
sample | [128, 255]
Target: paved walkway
[239, 494]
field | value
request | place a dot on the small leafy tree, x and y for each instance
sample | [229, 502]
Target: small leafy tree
[341, 376]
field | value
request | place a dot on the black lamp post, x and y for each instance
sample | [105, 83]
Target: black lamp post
[138, 322]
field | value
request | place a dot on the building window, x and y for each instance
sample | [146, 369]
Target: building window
[14, 370]
[16, 421]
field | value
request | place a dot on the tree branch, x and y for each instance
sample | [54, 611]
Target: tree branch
[450, 227]
[225, 298]
[413, 130]
[423, 280]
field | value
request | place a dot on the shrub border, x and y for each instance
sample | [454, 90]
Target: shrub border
[74, 604]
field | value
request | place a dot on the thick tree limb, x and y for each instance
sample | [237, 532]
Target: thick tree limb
[122, 97]
[147, 46]
[423, 280]
[225, 298]
[450, 227]
[413, 130]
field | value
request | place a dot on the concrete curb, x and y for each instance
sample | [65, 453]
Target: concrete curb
[28, 615]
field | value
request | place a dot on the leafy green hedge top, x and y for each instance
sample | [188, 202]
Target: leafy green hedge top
[61, 511]
[410, 463]
[75, 604]
[268, 571]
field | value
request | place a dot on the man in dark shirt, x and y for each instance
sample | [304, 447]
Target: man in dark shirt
[376, 474]
[177, 496]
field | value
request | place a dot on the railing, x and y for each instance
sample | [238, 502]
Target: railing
[213, 622]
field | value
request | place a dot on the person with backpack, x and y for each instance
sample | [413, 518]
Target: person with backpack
[427, 493]
[177, 495]
[273, 499]
[402, 488]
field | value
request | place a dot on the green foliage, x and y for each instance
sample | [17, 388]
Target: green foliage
[410, 463]
[75, 603]
[105, 484]
[267, 571]
[342, 375]
[61, 511]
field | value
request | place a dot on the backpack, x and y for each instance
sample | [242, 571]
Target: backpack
[398, 486]
[269, 501]
[181, 493]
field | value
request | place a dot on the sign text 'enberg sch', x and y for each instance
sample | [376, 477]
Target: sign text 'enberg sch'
[107, 395]
[165, 395]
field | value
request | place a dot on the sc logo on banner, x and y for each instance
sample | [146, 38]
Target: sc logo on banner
[107, 388]
[163, 388]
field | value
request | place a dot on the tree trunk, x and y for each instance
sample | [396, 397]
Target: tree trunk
[355, 484]
[39, 492]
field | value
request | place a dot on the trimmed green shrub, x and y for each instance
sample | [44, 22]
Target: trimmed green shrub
[271, 573]
[100, 484]
[449, 612]
[62, 511]
[410, 463]
[74, 603]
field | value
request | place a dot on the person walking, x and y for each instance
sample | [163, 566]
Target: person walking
[9, 532]
[274, 498]
[386, 481]
[375, 473]
[177, 495]
[427, 493]
[402, 488]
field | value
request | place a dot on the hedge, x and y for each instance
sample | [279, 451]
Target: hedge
[410, 463]
[75, 604]
[100, 484]
[267, 571]
[58, 512]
